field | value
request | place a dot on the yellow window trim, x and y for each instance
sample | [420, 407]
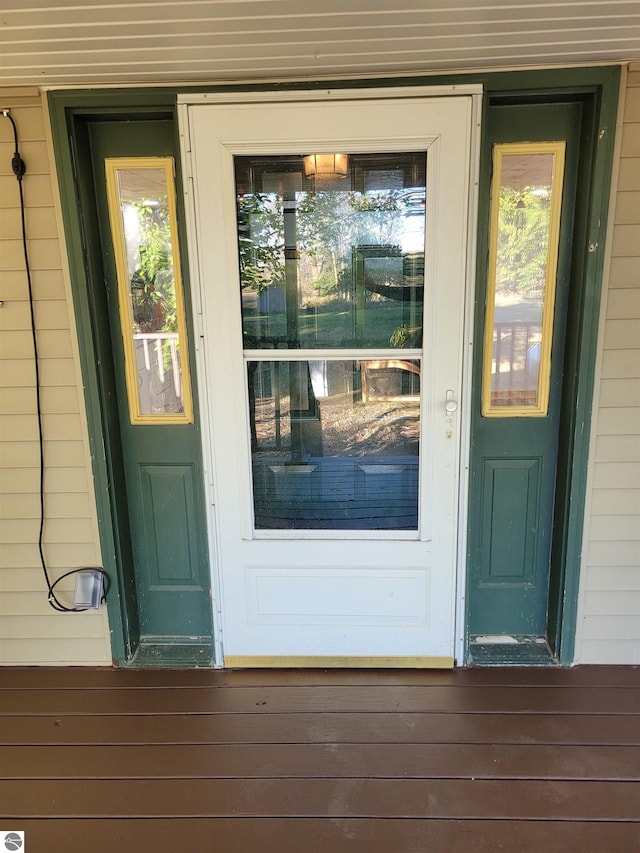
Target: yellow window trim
[167, 164]
[544, 374]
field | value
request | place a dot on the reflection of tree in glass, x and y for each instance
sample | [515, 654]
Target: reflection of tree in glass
[261, 240]
[323, 235]
[328, 224]
[153, 293]
[379, 216]
[523, 239]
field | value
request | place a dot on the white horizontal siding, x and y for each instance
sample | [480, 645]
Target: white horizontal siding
[623, 579]
[620, 392]
[30, 631]
[614, 501]
[608, 628]
[619, 448]
[35, 651]
[604, 651]
[610, 603]
[81, 43]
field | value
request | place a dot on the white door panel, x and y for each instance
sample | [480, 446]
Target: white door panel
[330, 583]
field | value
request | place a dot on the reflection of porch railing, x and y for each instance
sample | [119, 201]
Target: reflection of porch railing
[371, 391]
[154, 345]
[516, 356]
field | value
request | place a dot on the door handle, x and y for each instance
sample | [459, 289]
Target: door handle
[451, 404]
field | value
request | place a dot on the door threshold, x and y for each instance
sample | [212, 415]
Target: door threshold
[337, 662]
[172, 656]
[508, 650]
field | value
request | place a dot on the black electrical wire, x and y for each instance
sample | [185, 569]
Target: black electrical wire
[19, 168]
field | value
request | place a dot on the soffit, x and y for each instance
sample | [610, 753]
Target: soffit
[79, 43]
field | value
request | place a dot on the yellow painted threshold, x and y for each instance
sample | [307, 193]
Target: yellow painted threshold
[336, 662]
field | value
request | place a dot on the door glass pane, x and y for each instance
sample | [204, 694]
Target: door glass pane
[525, 223]
[331, 250]
[144, 230]
[335, 443]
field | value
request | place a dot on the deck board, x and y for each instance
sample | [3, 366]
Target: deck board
[502, 759]
[311, 700]
[406, 798]
[339, 835]
[582, 729]
[38, 678]
[318, 761]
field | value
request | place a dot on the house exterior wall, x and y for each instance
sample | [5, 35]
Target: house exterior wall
[31, 632]
[608, 627]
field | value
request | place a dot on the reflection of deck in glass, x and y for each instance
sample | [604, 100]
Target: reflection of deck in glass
[158, 367]
[516, 364]
[333, 449]
[348, 493]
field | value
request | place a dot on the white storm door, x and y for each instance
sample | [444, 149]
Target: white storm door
[332, 293]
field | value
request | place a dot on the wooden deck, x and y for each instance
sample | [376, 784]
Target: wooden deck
[471, 760]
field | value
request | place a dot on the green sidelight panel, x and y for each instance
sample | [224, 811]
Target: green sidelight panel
[154, 442]
[509, 511]
[169, 512]
[517, 423]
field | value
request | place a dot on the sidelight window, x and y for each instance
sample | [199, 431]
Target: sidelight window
[523, 253]
[142, 212]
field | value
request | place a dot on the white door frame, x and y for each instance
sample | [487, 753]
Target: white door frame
[400, 93]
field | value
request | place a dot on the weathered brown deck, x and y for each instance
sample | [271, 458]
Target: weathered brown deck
[470, 760]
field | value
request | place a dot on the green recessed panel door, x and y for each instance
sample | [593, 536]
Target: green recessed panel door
[532, 152]
[161, 481]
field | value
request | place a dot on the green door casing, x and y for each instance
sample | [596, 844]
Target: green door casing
[514, 460]
[594, 90]
[159, 477]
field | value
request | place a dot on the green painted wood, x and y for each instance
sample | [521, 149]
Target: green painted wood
[514, 460]
[598, 86]
[556, 82]
[153, 652]
[509, 503]
[161, 464]
[591, 232]
[172, 557]
[74, 175]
